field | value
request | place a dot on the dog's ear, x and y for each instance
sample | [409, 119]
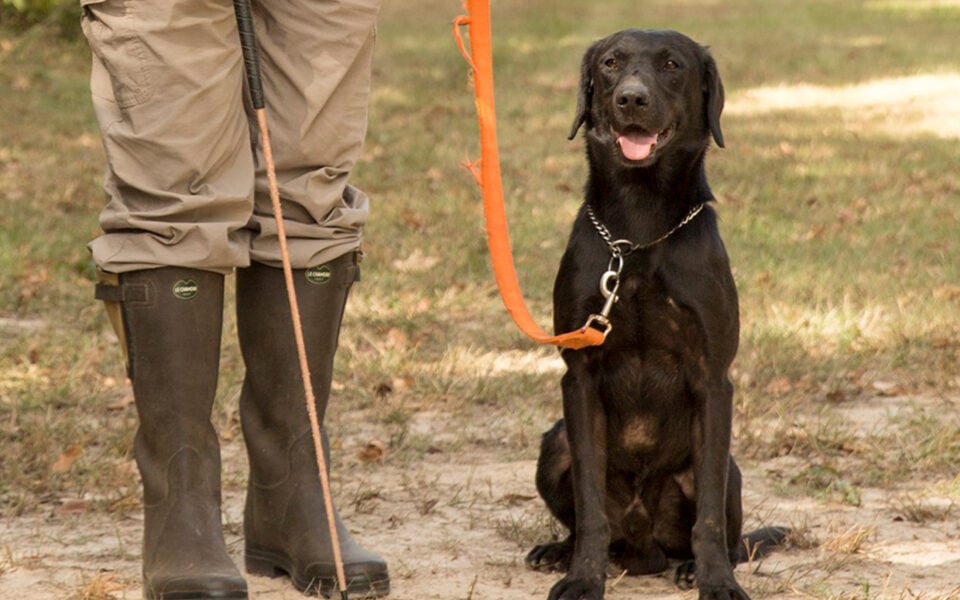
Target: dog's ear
[585, 95]
[713, 96]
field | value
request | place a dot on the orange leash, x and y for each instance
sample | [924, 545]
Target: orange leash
[480, 58]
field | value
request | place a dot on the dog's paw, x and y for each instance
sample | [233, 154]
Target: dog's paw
[686, 578]
[731, 591]
[574, 588]
[686, 575]
[550, 557]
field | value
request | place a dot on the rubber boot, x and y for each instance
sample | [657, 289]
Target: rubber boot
[285, 521]
[169, 321]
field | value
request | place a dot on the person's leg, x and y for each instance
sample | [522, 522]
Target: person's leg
[316, 69]
[167, 87]
[316, 58]
[167, 90]
[285, 522]
[170, 319]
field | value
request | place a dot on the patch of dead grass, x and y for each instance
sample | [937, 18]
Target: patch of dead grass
[102, 586]
[849, 540]
[899, 107]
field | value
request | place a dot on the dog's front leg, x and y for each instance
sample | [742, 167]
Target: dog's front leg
[586, 432]
[714, 572]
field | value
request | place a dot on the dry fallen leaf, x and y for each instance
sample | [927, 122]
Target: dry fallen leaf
[121, 403]
[517, 499]
[814, 232]
[780, 385]
[67, 458]
[947, 292]
[373, 451]
[396, 338]
[401, 383]
[74, 507]
[396, 384]
[886, 388]
[942, 343]
[31, 283]
[413, 219]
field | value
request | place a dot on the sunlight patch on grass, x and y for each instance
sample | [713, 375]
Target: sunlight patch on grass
[466, 360]
[897, 106]
[391, 95]
[831, 328]
[913, 4]
[18, 378]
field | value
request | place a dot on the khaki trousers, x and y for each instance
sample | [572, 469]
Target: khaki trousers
[185, 185]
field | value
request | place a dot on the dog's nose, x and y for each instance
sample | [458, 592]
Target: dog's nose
[635, 95]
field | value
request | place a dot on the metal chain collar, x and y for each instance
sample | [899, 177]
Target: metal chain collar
[610, 280]
[631, 247]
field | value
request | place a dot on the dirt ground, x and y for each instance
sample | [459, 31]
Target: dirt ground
[455, 526]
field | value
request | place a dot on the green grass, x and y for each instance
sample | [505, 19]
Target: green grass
[842, 235]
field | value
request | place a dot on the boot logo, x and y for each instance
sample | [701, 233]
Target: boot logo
[186, 289]
[319, 275]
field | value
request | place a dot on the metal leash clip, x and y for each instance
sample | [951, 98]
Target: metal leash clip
[609, 286]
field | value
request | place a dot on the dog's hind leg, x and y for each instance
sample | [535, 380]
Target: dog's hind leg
[556, 488]
[554, 477]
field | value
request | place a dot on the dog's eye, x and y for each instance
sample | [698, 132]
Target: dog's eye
[671, 65]
[610, 63]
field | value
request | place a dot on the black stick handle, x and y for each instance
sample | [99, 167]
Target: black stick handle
[251, 59]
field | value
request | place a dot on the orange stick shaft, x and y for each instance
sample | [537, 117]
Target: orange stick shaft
[301, 349]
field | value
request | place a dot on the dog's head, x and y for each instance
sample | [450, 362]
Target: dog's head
[642, 91]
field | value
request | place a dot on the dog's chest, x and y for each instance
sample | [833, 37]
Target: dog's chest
[648, 407]
[650, 321]
[655, 345]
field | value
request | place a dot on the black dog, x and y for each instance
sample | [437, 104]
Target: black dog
[639, 469]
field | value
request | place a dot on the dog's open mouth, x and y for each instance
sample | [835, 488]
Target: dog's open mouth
[637, 144]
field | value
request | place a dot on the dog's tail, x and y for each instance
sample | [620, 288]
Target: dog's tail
[762, 542]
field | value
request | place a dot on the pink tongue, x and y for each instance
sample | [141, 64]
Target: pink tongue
[635, 146]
